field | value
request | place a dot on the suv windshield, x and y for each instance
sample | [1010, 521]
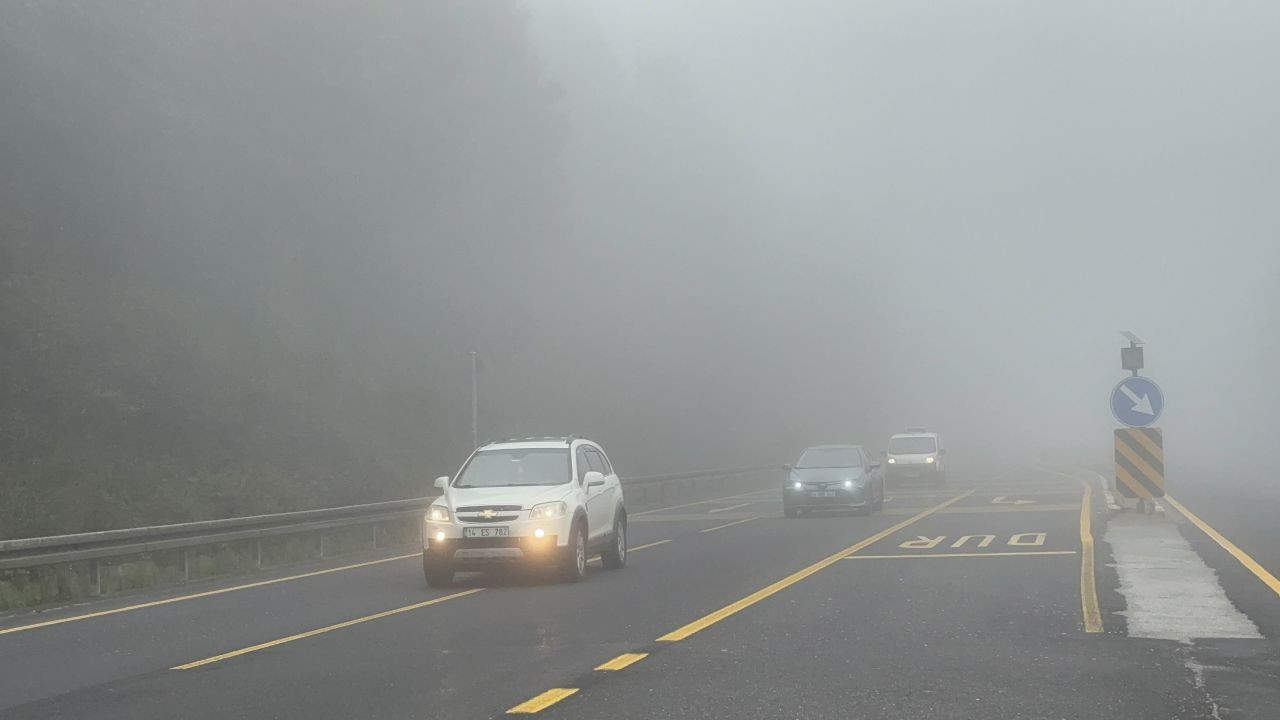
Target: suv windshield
[912, 445]
[509, 468]
[830, 457]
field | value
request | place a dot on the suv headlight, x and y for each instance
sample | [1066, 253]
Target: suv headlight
[438, 513]
[548, 511]
[893, 461]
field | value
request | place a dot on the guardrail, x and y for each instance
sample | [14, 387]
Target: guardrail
[238, 544]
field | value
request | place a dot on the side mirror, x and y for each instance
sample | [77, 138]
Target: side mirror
[873, 466]
[593, 479]
[943, 451]
[442, 482]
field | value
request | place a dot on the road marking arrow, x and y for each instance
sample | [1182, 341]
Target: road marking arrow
[1002, 500]
[1140, 404]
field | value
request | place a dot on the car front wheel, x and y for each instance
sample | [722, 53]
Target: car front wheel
[574, 563]
[436, 573]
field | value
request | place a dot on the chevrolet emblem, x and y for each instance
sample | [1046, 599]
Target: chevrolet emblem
[487, 513]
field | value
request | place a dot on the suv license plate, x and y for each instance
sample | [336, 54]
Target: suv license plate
[486, 532]
[824, 493]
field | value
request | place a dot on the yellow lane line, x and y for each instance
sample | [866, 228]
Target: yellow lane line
[624, 660]
[707, 621]
[1088, 582]
[731, 507]
[987, 509]
[704, 502]
[320, 631]
[735, 522]
[542, 701]
[207, 593]
[1252, 565]
[646, 547]
[961, 555]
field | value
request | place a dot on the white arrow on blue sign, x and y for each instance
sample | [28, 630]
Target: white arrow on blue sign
[1137, 402]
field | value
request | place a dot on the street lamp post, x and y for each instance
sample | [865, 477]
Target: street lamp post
[475, 405]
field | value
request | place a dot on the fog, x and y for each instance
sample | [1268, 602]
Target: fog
[977, 197]
[250, 245]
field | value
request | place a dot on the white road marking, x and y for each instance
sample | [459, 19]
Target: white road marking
[1005, 500]
[731, 507]
[1170, 592]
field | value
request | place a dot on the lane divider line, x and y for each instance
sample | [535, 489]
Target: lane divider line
[623, 661]
[207, 593]
[960, 555]
[731, 507]
[704, 502]
[735, 522]
[649, 545]
[1250, 564]
[735, 607]
[321, 631]
[1091, 614]
[542, 701]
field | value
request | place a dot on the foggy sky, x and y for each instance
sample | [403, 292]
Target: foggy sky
[1017, 182]
[705, 233]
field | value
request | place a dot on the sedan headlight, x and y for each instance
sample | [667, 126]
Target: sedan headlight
[548, 511]
[438, 513]
[928, 459]
[892, 461]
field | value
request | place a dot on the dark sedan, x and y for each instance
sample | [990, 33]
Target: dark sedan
[833, 477]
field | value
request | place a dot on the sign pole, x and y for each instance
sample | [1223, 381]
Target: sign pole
[1137, 403]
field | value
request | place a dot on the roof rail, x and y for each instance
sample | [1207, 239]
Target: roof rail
[545, 438]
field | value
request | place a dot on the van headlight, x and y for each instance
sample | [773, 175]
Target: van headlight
[929, 459]
[548, 511]
[437, 513]
[892, 461]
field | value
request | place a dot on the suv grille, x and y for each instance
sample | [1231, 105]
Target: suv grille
[482, 519]
[482, 508]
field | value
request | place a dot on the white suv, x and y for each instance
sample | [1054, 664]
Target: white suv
[549, 502]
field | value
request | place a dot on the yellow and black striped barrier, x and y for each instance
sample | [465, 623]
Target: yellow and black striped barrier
[1140, 462]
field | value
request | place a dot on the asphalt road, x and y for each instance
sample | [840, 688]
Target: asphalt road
[972, 601]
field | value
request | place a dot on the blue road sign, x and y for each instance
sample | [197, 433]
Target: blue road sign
[1137, 402]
